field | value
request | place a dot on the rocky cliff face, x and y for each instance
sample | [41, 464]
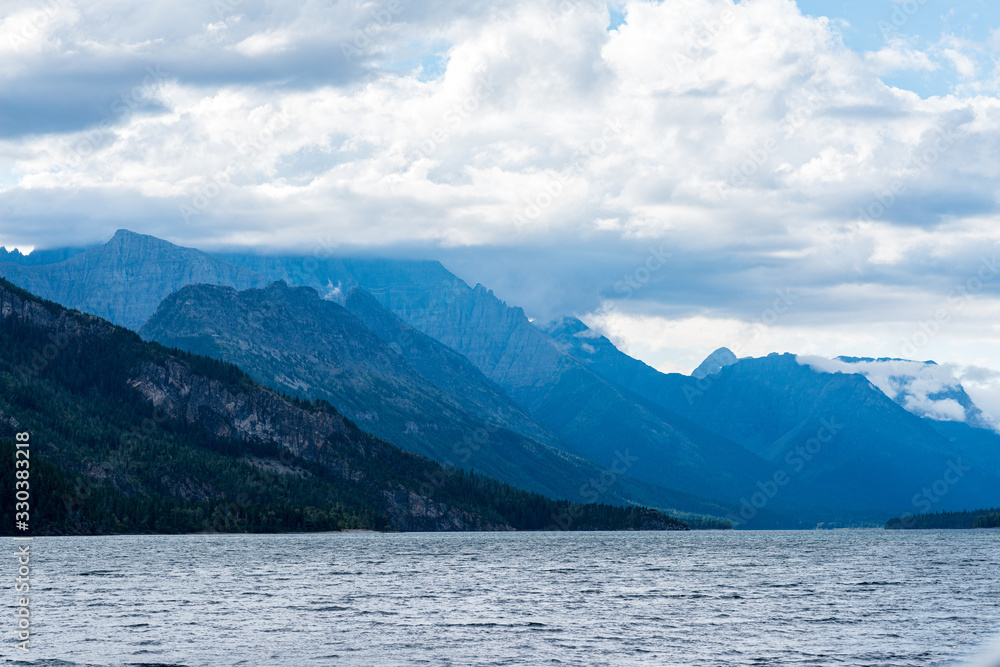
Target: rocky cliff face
[262, 416]
[455, 375]
[180, 394]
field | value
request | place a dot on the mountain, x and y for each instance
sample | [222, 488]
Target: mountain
[922, 387]
[600, 356]
[714, 363]
[591, 418]
[38, 257]
[722, 435]
[128, 436]
[290, 339]
[125, 279]
[878, 455]
[447, 370]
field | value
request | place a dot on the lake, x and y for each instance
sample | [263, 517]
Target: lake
[697, 598]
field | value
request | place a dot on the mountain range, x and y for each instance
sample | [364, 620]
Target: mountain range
[418, 357]
[129, 436]
[290, 339]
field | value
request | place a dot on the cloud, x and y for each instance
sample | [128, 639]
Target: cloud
[542, 122]
[924, 388]
[896, 56]
[533, 150]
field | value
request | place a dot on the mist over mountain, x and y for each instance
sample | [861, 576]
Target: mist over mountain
[922, 387]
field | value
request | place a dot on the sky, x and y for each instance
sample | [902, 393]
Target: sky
[813, 177]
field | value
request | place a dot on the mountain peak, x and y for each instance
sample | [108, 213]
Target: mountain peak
[129, 241]
[567, 325]
[126, 236]
[715, 362]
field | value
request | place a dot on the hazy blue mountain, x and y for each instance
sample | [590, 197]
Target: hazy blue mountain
[593, 418]
[922, 387]
[38, 256]
[601, 356]
[290, 339]
[714, 363]
[713, 436]
[124, 280]
[449, 371]
[880, 457]
[127, 436]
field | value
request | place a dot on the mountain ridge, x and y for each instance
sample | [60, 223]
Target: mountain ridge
[129, 421]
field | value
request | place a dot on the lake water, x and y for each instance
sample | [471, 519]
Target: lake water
[699, 598]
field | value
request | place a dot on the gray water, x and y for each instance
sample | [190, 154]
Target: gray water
[699, 598]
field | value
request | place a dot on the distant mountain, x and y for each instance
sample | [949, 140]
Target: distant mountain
[922, 387]
[720, 435]
[880, 456]
[125, 279]
[447, 370]
[714, 363]
[290, 339]
[594, 418]
[600, 355]
[38, 257]
[126, 436]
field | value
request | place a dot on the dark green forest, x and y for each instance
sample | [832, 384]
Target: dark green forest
[989, 518]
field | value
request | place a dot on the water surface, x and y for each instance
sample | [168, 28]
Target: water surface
[698, 598]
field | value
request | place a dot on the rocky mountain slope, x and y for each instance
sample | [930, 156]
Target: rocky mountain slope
[498, 340]
[593, 417]
[447, 370]
[290, 339]
[566, 386]
[128, 436]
